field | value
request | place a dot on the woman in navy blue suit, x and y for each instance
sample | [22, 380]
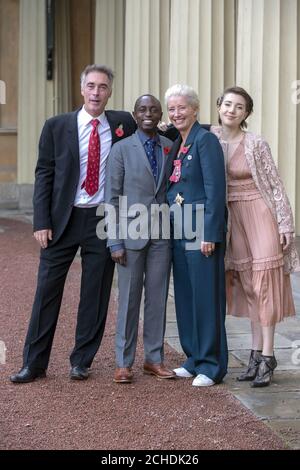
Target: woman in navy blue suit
[197, 180]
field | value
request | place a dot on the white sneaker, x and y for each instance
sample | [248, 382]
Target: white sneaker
[202, 381]
[182, 372]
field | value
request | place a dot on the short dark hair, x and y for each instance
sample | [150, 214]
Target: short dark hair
[136, 104]
[237, 91]
[97, 68]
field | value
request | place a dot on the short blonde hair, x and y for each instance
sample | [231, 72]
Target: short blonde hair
[183, 90]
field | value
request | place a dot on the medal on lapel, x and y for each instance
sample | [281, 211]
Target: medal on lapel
[175, 177]
[179, 199]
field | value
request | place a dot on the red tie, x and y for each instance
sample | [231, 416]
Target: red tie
[91, 183]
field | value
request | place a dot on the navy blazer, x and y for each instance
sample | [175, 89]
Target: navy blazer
[202, 179]
[58, 168]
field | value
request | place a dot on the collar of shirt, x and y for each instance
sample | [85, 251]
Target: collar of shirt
[84, 118]
[144, 137]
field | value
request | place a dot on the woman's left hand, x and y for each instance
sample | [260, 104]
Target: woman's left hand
[207, 248]
[286, 240]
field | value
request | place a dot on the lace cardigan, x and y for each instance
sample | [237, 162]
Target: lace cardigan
[268, 182]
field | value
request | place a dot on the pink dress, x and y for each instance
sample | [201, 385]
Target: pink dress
[256, 284]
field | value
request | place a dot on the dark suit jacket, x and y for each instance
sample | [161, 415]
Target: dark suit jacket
[202, 180]
[58, 168]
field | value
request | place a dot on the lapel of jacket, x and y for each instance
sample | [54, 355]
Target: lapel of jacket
[140, 151]
[73, 140]
[113, 126]
[171, 157]
[164, 162]
[114, 122]
[191, 137]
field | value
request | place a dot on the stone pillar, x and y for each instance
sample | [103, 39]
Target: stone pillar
[297, 104]
[35, 93]
[62, 59]
[109, 44]
[202, 49]
[266, 66]
[287, 111]
[146, 59]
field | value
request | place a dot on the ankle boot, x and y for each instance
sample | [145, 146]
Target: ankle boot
[265, 371]
[254, 361]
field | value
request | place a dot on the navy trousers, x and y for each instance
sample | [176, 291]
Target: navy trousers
[199, 285]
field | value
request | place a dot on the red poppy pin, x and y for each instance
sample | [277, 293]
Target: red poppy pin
[185, 149]
[119, 131]
[167, 150]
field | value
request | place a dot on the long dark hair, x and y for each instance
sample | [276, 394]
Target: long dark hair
[237, 91]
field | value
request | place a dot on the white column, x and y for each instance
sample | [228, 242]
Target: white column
[35, 94]
[269, 90]
[297, 209]
[266, 66]
[181, 33]
[229, 43]
[164, 52]
[146, 49]
[62, 59]
[204, 45]
[287, 131]
[250, 53]
[109, 44]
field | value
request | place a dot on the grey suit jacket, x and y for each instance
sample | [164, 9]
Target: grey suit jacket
[128, 173]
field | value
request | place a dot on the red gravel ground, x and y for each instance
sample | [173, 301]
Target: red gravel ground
[57, 413]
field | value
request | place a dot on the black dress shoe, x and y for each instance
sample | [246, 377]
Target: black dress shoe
[79, 373]
[26, 375]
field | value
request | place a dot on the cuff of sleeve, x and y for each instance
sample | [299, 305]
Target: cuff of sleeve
[119, 246]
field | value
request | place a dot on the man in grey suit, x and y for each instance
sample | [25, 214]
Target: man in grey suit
[136, 170]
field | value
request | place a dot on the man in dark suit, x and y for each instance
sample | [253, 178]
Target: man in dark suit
[69, 186]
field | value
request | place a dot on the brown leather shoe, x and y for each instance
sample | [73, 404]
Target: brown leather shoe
[123, 375]
[159, 370]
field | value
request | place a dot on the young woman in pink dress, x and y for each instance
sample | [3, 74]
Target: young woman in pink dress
[261, 252]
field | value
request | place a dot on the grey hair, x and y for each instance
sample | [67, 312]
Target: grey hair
[96, 68]
[183, 90]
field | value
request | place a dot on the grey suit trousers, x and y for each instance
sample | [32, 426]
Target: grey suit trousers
[148, 267]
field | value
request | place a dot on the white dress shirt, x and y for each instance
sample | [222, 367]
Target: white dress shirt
[82, 198]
